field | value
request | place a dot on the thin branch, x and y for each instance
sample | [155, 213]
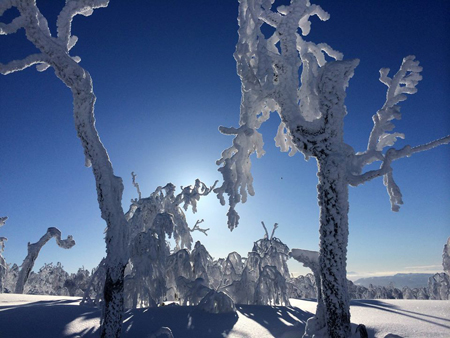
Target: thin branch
[266, 236]
[136, 185]
[392, 155]
[385, 170]
[11, 27]
[403, 82]
[70, 10]
[275, 227]
[196, 227]
[18, 65]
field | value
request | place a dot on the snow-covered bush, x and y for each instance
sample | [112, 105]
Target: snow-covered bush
[191, 292]
[152, 270]
[262, 279]
[78, 282]
[217, 302]
[439, 287]
[49, 280]
[271, 288]
[201, 262]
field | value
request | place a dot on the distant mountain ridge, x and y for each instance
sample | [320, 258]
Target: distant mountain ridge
[400, 280]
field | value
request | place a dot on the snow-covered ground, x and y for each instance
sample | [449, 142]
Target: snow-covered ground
[52, 316]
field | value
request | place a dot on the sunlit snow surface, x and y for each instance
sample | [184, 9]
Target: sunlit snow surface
[53, 316]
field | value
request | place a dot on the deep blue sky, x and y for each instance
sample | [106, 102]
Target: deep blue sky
[165, 79]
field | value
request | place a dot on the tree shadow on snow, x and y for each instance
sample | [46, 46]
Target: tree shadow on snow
[280, 321]
[184, 321]
[383, 306]
[47, 319]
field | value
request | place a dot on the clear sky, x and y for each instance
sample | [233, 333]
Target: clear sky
[165, 80]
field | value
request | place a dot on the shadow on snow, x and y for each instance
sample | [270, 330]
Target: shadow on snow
[383, 306]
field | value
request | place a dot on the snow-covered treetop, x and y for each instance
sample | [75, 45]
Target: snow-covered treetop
[311, 106]
[268, 69]
[2, 239]
[31, 19]
[164, 201]
[446, 257]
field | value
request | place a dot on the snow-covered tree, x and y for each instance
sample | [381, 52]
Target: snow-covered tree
[143, 211]
[33, 253]
[311, 108]
[201, 261]
[3, 265]
[54, 51]
[262, 278]
[446, 257]
[152, 271]
[49, 280]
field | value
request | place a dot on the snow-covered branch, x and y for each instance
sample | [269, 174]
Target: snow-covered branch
[266, 236]
[402, 83]
[275, 227]
[196, 227]
[3, 220]
[136, 185]
[70, 10]
[12, 27]
[269, 68]
[33, 253]
[18, 65]
[2, 244]
[190, 195]
[386, 169]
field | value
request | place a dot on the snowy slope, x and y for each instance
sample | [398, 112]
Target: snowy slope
[51, 316]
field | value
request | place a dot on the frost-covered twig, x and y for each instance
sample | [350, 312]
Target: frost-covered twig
[3, 220]
[136, 185]
[403, 82]
[2, 244]
[190, 195]
[275, 227]
[386, 170]
[33, 253]
[196, 227]
[266, 236]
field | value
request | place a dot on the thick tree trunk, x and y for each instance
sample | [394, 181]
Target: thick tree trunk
[109, 186]
[113, 307]
[334, 206]
[109, 196]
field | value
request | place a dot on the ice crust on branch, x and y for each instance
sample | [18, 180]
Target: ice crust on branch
[33, 253]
